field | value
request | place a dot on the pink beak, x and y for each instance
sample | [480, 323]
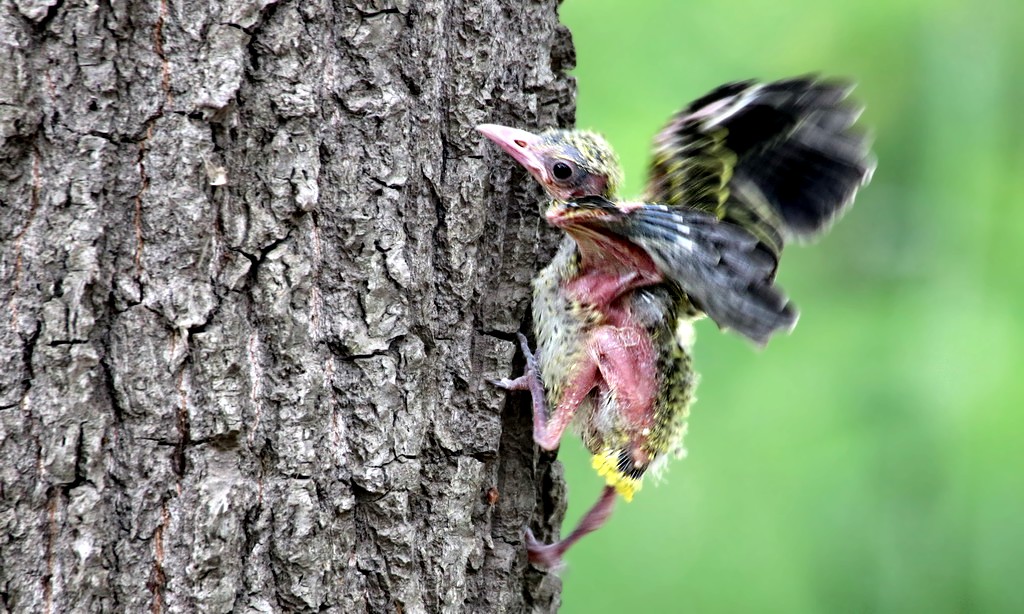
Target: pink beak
[520, 144]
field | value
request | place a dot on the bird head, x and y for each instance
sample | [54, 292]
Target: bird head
[569, 164]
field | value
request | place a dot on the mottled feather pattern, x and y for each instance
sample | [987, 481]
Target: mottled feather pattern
[790, 161]
[677, 380]
[588, 149]
[560, 326]
[723, 269]
[734, 176]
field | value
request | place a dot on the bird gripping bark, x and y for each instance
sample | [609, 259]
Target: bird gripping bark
[734, 175]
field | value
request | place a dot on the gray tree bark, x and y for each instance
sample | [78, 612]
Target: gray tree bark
[256, 267]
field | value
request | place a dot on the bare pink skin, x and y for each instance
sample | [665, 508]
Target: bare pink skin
[620, 358]
[550, 555]
[610, 269]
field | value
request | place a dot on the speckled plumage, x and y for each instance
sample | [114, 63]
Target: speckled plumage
[562, 326]
[734, 176]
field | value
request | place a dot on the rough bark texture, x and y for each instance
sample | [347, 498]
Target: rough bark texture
[256, 266]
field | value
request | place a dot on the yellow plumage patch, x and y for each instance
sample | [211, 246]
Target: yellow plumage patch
[607, 466]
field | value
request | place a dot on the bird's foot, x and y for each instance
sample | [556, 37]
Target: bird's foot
[520, 383]
[529, 380]
[544, 555]
[531, 359]
[550, 555]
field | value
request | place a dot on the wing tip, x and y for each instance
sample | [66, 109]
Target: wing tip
[789, 316]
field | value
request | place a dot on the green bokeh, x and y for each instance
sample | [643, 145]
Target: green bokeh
[873, 461]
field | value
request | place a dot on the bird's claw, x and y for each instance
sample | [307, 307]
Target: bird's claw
[522, 382]
[524, 345]
[503, 383]
[541, 554]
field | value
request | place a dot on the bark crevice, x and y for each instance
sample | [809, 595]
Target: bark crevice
[258, 268]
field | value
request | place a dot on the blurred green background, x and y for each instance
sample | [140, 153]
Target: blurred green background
[873, 461]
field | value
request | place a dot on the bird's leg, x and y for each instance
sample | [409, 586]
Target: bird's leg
[529, 380]
[621, 359]
[601, 290]
[627, 361]
[547, 430]
[550, 555]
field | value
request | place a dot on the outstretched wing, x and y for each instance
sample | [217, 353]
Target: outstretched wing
[724, 270]
[779, 159]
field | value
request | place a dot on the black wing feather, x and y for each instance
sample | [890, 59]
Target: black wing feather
[724, 269]
[780, 159]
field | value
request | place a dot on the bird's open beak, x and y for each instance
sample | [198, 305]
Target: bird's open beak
[520, 144]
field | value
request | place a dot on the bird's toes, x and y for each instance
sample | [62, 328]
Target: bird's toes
[541, 554]
[503, 383]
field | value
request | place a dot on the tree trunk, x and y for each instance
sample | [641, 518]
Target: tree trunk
[257, 267]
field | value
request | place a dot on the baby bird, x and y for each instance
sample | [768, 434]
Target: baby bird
[734, 175]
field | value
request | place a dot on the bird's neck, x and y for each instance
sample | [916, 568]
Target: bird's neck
[609, 267]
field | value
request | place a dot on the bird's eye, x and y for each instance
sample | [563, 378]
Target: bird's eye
[561, 171]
